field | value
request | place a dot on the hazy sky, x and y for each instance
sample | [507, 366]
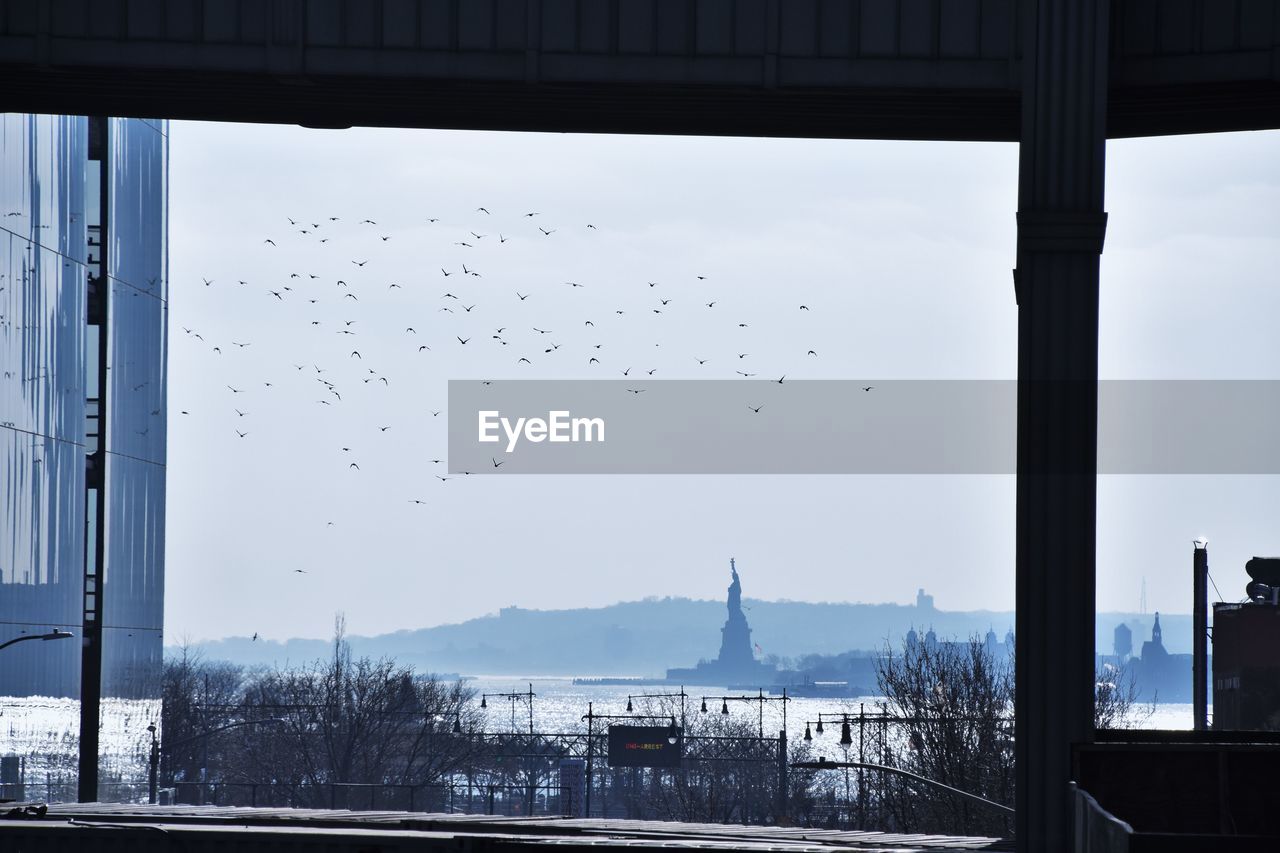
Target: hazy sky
[902, 251]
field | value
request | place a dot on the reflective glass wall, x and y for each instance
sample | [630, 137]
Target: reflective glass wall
[135, 424]
[57, 408]
[43, 276]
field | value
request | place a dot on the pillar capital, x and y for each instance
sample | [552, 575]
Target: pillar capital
[1072, 231]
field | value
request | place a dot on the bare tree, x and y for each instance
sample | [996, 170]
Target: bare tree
[1115, 699]
[309, 733]
[956, 704]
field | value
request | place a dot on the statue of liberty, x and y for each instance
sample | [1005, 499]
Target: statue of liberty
[735, 636]
[735, 591]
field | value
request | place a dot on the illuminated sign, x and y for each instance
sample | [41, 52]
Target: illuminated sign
[645, 746]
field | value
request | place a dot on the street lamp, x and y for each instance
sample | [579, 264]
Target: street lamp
[759, 697]
[846, 733]
[513, 698]
[55, 634]
[682, 696]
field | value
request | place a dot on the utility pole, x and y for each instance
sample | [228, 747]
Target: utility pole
[590, 753]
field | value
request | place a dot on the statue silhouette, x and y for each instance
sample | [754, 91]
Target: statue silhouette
[735, 591]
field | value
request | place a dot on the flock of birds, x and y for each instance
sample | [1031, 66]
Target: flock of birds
[339, 269]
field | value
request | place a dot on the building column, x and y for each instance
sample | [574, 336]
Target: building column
[1061, 224]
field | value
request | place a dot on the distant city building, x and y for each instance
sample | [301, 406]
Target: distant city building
[1158, 675]
[923, 601]
[83, 341]
[736, 664]
[1123, 643]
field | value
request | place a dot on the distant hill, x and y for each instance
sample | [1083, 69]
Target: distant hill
[646, 637]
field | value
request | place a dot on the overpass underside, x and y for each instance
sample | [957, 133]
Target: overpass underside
[883, 69]
[1059, 77]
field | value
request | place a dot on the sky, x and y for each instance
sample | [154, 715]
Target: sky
[331, 499]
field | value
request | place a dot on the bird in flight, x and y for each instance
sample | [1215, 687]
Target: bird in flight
[755, 409]
[867, 387]
[545, 232]
[634, 391]
[462, 340]
[482, 210]
[496, 463]
[303, 571]
[241, 434]
[269, 240]
[524, 296]
[359, 263]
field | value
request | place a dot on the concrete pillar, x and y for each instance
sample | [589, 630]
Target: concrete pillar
[1061, 225]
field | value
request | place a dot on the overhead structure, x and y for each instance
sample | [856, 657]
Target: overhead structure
[1059, 77]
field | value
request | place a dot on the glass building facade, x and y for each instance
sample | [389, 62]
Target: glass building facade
[83, 345]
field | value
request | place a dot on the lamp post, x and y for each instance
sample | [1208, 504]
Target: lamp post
[55, 634]
[157, 749]
[760, 698]
[682, 695]
[513, 698]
